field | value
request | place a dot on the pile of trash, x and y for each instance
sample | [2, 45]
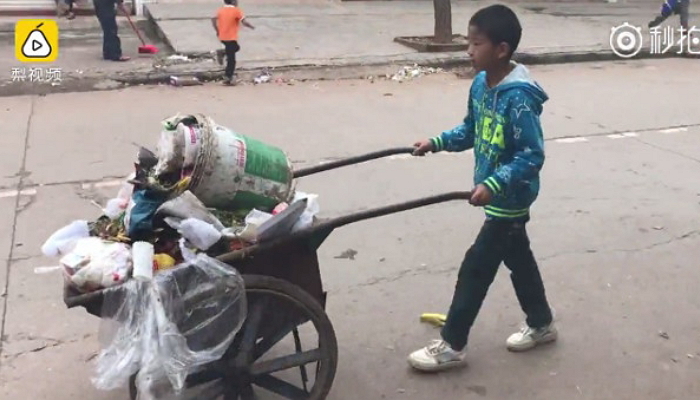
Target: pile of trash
[411, 72]
[205, 191]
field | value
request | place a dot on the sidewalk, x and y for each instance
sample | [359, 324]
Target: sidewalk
[318, 39]
[317, 34]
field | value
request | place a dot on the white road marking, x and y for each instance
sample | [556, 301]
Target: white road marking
[571, 140]
[400, 157]
[15, 193]
[674, 130]
[623, 135]
[118, 182]
[103, 184]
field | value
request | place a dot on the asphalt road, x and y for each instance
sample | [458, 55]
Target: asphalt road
[615, 228]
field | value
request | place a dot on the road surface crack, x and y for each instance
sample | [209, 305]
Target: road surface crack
[20, 186]
[632, 250]
[440, 269]
[45, 344]
[655, 146]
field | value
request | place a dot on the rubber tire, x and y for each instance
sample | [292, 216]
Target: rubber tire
[324, 328]
[317, 314]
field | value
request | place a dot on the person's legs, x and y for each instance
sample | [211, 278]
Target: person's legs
[683, 10]
[231, 47]
[529, 289]
[663, 15]
[70, 14]
[658, 20]
[100, 14]
[114, 44]
[107, 15]
[476, 274]
[61, 8]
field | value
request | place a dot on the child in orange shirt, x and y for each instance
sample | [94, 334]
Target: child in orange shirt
[226, 23]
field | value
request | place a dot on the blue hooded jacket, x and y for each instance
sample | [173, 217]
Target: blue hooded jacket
[503, 127]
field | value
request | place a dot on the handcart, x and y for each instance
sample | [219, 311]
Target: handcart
[284, 290]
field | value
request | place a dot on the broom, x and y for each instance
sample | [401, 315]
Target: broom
[144, 48]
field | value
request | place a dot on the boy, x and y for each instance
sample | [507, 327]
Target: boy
[670, 7]
[502, 126]
[226, 23]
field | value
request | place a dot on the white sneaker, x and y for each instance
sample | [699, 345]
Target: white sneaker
[436, 356]
[529, 338]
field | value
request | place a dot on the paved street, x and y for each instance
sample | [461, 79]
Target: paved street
[615, 228]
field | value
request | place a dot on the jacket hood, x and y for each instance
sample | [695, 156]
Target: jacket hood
[520, 78]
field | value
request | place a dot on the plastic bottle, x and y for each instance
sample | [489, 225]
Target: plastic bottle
[142, 254]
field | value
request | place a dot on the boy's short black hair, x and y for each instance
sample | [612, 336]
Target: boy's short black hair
[230, 2]
[499, 24]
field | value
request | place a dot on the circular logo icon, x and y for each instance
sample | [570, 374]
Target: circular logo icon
[626, 40]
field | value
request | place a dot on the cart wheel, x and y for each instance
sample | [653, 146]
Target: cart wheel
[276, 309]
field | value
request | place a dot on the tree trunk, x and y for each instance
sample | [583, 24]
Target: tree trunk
[443, 21]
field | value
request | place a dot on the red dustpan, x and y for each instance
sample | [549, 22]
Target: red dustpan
[144, 48]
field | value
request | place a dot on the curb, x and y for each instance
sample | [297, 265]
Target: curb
[359, 70]
[155, 28]
[343, 70]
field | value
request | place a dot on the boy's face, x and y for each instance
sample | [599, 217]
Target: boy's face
[484, 53]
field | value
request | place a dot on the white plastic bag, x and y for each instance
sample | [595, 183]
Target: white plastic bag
[95, 263]
[64, 239]
[118, 205]
[189, 253]
[201, 234]
[312, 209]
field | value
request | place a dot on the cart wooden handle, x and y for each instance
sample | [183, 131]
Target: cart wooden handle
[352, 160]
[342, 221]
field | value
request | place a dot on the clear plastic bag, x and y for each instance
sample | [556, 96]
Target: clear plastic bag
[169, 327]
[187, 205]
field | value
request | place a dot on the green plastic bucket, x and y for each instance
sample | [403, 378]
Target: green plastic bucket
[234, 172]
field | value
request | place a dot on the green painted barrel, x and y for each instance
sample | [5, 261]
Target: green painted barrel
[235, 172]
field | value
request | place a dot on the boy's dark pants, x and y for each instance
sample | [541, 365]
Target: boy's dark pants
[107, 15]
[231, 47]
[498, 241]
